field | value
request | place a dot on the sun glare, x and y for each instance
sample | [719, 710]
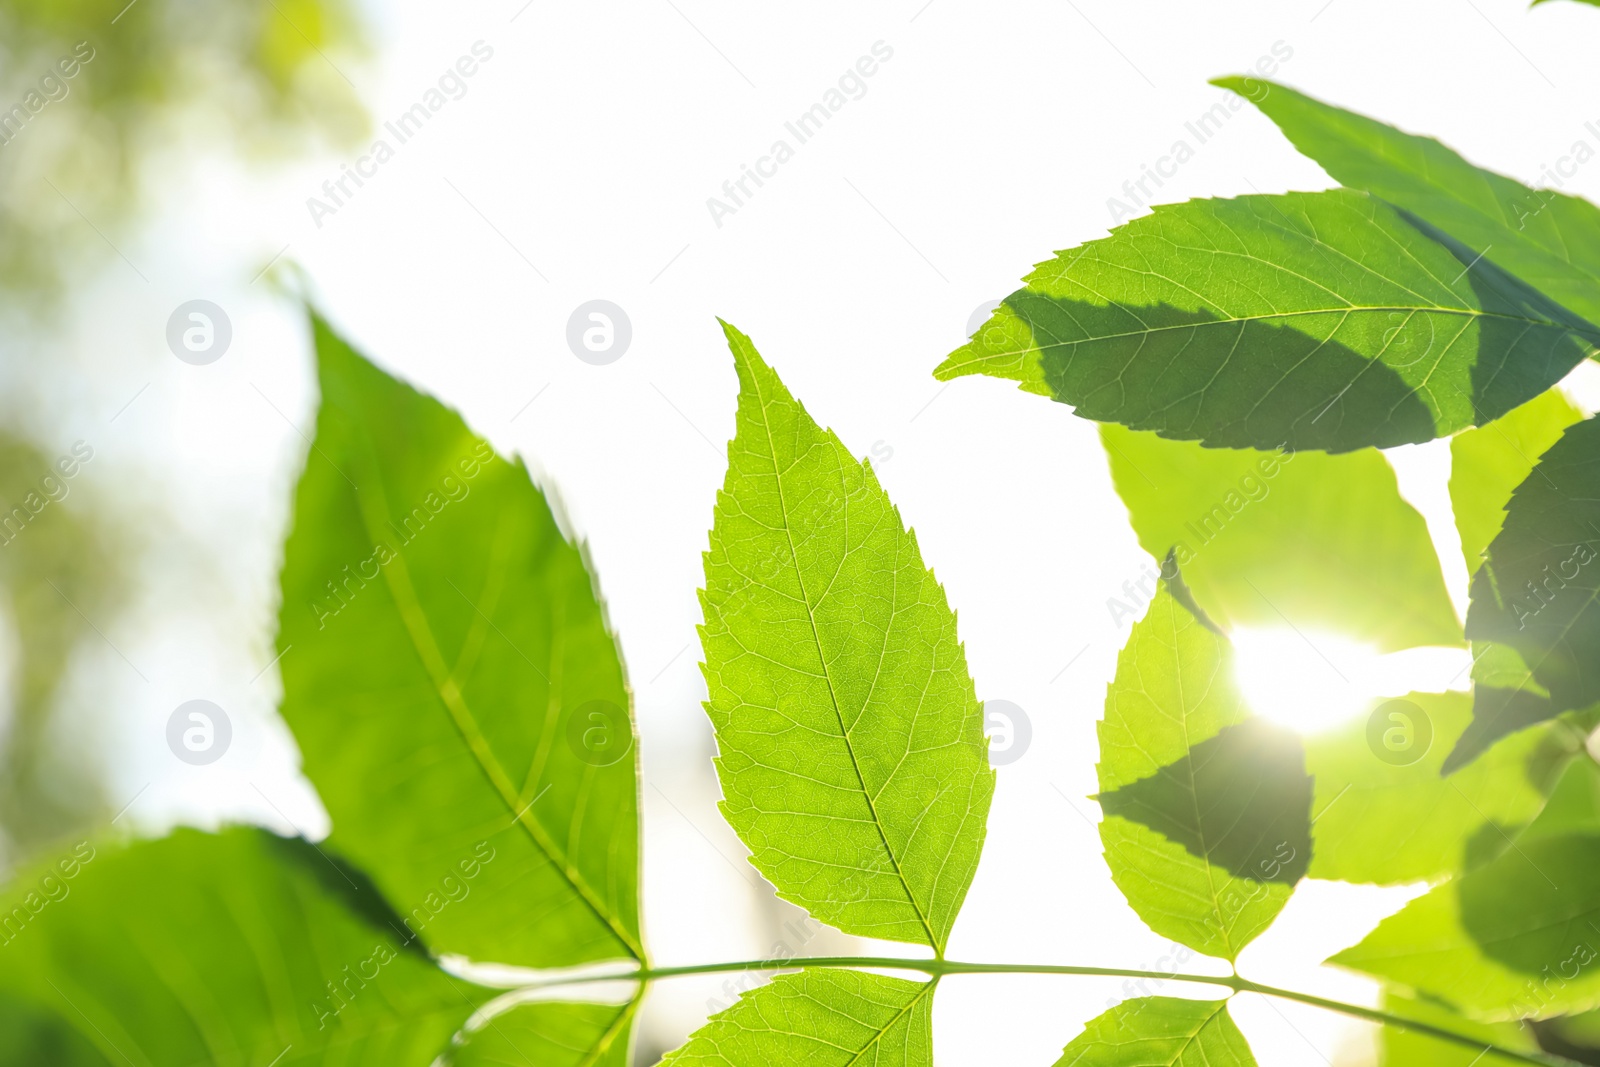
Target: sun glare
[1311, 681]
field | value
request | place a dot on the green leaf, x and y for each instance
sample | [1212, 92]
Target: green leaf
[1304, 321]
[1536, 593]
[1516, 938]
[1160, 1032]
[1207, 810]
[229, 949]
[850, 738]
[1389, 823]
[1400, 1047]
[1487, 464]
[551, 1034]
[449, 675]
[1325, 540]
[819, 1018]
[1548, 239]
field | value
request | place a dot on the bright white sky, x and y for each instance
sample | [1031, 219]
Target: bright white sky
[577, 166]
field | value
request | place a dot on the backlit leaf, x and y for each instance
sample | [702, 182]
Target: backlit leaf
[849, 735]
[1303, 321]
[819, 1018]
[1207, 809]
[1548, 239]
[1160, 1032]
[1325, 541]
[449, 675]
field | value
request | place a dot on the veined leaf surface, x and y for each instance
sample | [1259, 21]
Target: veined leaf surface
[1160, 1032]
[230, 949]
[449, 675]
[1325, 541]
[1538, 592]
[1516, 938]
[851, 752]
[1208, 809]
[1388, 823]
[819, 1018]
[1303, 321]
[1548, 239]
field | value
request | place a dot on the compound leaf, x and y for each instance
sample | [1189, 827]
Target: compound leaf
[235, 949]
[1160, 1032]
[819, 1018]
[851, 751]
[1325, 541]
[1548, 239]
[1303, 321]
[1207, 823]
[1515, 938]
[449, 675]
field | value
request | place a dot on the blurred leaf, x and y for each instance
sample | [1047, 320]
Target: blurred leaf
[1516, 938]
[1160, 1032]
[551, 1034]
[819, 1018]
[1207, 809]
[1304, 321]
[1548, 239]
[1388, 823]
[1398, 1047]
[449, 675]
[852, 756]
[1536, 594]
[1325, 541]
[227, 949]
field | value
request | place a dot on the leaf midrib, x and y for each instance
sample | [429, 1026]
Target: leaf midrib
[397, 577]
[827, 674]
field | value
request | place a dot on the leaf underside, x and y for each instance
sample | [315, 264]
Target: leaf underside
[1160, 1032]
[851, 752]
[1324, 321]
[438, 637]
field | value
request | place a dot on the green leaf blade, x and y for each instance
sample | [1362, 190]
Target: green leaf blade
[1516, 938]
[1325, 321]
[229, 949]
[1326, 540]
[1160, 1032]
[438, 637]
[1548, 239]
[851, 752]
[1207, 809]
[826, 1018]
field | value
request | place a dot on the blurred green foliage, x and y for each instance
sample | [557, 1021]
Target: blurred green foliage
[260, 75]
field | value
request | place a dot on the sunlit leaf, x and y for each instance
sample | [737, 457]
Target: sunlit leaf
[1516, 938]
[1548, 239]
[1387, 815]
[850, 741]
[1303, 321]
[1208, 809]
[1324, 541]
[235, 949]
[819, 1018]
[1160, 1032]
[449, 675]
[1536, 594]
[1402, 1047]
